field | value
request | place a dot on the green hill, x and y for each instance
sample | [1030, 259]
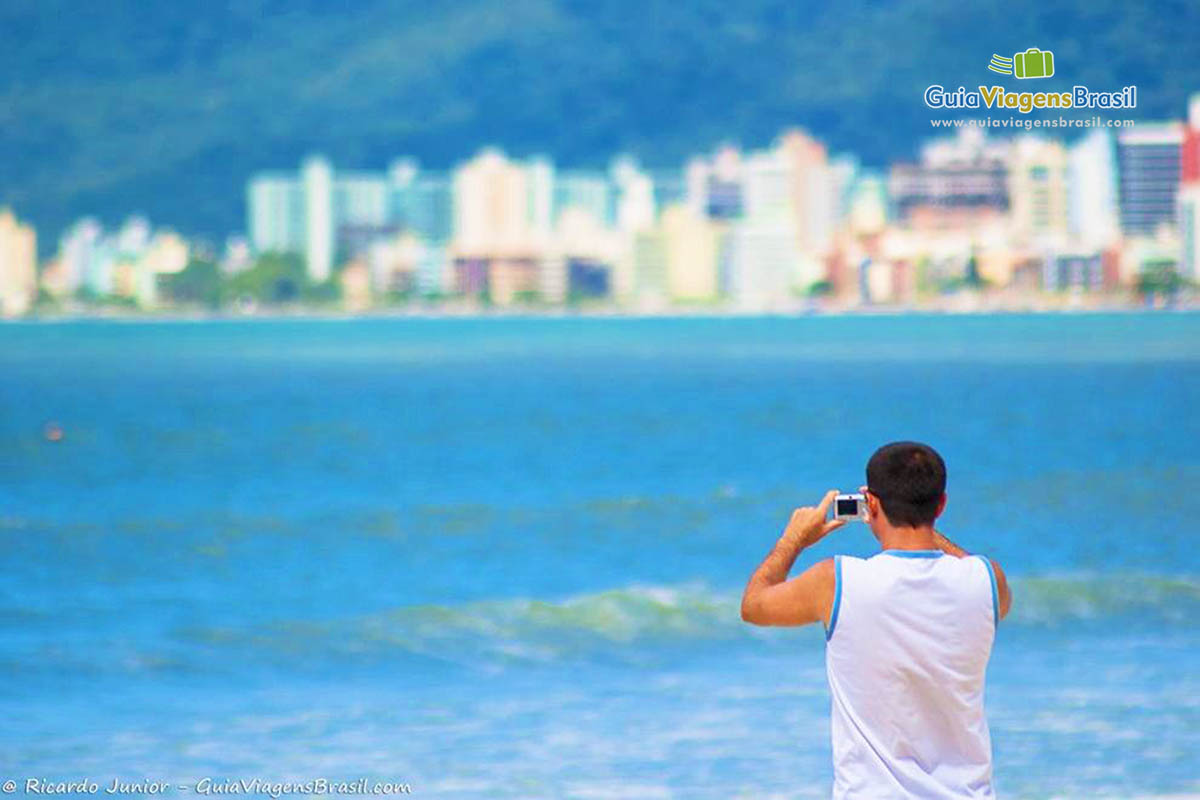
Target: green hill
[166, 108]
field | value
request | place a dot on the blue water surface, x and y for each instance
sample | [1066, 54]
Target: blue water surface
[503, 557]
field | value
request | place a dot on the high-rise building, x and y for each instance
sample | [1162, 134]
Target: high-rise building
[761, 264]
[126, 263]
[633, 195]
[275, 211]
[543, 213]
[960, 183]
[763, 254]
[421, 202]
[714, 185]
[328, 216]
[650, 265]
[394, 264]
[1190, 155]
[87, 258]
[76, 248]
[1037, 187]
[1189, 231]
[317, 180]
[670, 187]
[1092, 190]
[1189, 194]
[499, 210]
[360, 199]
[815, 204]
[769, 189]
[165, 253]
[692, 250]
[1149, 162]
[18, 265]
[492, 207]
[866, 213]
[586, 191]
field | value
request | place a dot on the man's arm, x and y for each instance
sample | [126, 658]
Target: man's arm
[1003, 593]
[947, 546]
[771, 599]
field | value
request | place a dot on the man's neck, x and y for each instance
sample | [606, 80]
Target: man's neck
[922, 538]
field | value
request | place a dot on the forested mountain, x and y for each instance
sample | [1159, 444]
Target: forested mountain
[166, 107]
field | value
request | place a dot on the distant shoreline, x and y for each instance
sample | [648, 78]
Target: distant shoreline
[292, 314]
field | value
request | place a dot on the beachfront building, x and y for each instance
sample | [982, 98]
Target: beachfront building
[393, 264]
[816, 201]
[692, 249]
[714, 184]
[18, 265]
[508, 230]
[126, 263]
[498, 235]
[777, 212]
[421, 202]
[1148, 160]
[1037, 187]
[584, 190]
[316, 179]
[677, 261]
[959, 184]
[276, 213]
[584, 258]
[1092, 218]
[143, 259]
[635, 213]
[86, 258]
[1189, 231]
[1081, 269]
[524, 230]
[1189, 194]
[329, 216]
[763, 256]
[761, 264]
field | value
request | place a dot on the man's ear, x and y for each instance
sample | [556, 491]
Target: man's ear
[874, 509]
[941, 506]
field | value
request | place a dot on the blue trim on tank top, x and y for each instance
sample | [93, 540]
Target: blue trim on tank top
[837, 596]
[912, 553]
[995, 594]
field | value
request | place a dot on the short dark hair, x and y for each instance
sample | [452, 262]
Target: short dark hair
[909, 478]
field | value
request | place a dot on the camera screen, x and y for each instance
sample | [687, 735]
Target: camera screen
[847, 508]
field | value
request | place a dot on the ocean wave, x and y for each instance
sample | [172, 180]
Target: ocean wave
[1052, 600]
[619, 621]
[635, 624]
[624, 622]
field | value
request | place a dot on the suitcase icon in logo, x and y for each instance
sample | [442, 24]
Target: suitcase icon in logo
[1033, 63]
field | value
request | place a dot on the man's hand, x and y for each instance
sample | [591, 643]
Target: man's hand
[771, 599]
[808, 524]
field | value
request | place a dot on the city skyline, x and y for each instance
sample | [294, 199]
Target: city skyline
[747, 229]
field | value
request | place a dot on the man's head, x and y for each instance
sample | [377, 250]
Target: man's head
[906, 486]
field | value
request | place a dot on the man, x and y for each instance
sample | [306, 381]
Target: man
[908, 635]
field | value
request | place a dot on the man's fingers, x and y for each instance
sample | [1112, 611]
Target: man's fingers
[833, 525]
[824, 506]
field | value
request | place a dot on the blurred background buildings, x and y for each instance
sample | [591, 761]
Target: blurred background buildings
[792, 225]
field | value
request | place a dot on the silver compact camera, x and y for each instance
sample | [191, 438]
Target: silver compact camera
[850, 506]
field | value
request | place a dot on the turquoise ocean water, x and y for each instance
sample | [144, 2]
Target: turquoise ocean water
[502, 558]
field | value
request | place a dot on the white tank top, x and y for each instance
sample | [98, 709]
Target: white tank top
[907, 649]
